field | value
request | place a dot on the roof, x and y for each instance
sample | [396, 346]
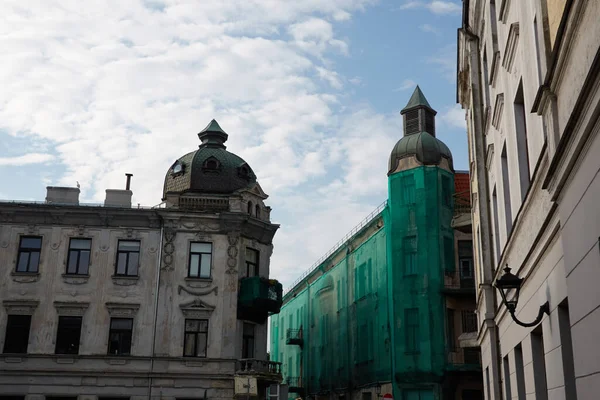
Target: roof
[428, 149]
[417, 99]
[462, 185]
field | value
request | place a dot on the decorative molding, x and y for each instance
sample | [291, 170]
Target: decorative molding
[75, 279]
[74, 308]
[33, 229]
[512, 43]
[232, 251]
[125, 280]
[23, 307]
[127, 310]
[168, 249]
[198, 283]
[196, 309]
[81, 231]
[117, 361]
[498, 111]
[25, 277]
[214, 290]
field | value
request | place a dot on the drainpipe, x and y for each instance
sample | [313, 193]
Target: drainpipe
[158, 264]
[472, 41]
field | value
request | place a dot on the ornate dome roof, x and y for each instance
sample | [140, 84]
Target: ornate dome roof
[428, 150]
[211, 169]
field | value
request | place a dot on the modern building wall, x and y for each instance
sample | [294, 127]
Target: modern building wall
[544, 72]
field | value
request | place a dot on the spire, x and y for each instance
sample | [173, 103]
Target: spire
[213, 135]
[417, 99]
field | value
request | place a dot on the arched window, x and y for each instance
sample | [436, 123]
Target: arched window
[257, 211]
[250, 207]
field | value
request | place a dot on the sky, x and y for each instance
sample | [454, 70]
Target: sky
[309, 92]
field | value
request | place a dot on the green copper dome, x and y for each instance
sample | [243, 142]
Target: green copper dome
[211, 169]
[428, 150]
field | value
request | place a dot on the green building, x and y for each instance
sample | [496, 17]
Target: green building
[390, 310]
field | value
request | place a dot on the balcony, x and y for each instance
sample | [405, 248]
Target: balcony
[261, 369]
[460, 287]
[258, 297]
[464, 360]
[294, 336]
[295, 385]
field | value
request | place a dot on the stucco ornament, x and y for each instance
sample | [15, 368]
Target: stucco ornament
[232, 251]
[197, 292]
[168, 249]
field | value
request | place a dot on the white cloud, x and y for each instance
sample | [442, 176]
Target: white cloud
[454, 117]
[436, 6]
[405, 85]
[330, 76]
[445, 60]
[429, 28]
[355, 80]
[26, 159]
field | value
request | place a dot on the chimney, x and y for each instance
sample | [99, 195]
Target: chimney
[118, 197]
[62, 195]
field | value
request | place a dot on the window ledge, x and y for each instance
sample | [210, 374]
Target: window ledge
[65, 359]
[118, 360]
[10, 358]
[25, 277]
[198, 282]
[123, 280]
[194, 363]
[75, 279]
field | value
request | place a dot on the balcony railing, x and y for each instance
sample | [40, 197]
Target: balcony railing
[258, 297]
[469, 321]
[294, 336]
[460, 286]
[251, 366]
[467, 359]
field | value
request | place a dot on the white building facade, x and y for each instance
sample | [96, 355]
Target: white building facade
[110, 301]
[528, 78]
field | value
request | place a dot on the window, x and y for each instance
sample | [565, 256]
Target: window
[29, 254]
[248, 341]
[451, 331]
[411, 122]
[446, 191]
[506, 187]
[496, 229]
[200, 260]
[408, 189]
[520, 372]
[465, 256]
[251, 262]
[68, 335]
[250, 207]
[448, 247]
[128, 257]
[119, 336]
[79, 256]
[522, 146]
[257, 211]
[507, 386]
[17, 333]
[411, 321]
[410, 255]
[539, 364]
[196, 338]
[486, 80]
[469, 321]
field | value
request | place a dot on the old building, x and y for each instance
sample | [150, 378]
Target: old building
[528, 78]
[387, 310]
[106, 301]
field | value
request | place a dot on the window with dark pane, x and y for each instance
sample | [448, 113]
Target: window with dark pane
[196, 338]
[68, 335]
[257, 211]
[248, 341]
[119, 336]
[430, 123]
[251, 262]
[28, 259]
[410, 255]
[411, 328]
[78, 262]
[446, 192]
[17, 333]
[200, 260]
[450, 331]
[128, 258]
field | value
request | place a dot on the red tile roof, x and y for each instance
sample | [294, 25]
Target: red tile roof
[462, 185]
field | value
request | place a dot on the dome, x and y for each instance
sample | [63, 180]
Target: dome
[211, 169]
[428, 150]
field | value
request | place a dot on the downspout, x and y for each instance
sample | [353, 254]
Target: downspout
[483, 203]
[158, 269]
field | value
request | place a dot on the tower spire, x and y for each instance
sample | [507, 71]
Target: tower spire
[418, 115]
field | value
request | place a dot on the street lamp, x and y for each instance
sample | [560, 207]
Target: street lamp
[509, 284]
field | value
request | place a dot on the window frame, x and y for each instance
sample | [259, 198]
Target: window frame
[249, 264]
[59, 338]
[78, 264]
[28, 251]
[18, 336]
[119, 332]
[127, 263]
[195, 335]
[248, 338]
[411, 320]
[191, 253]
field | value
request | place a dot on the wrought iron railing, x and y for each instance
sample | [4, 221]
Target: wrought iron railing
[254, 366]
[469, 321]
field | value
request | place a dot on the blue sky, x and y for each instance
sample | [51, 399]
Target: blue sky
[309, 92]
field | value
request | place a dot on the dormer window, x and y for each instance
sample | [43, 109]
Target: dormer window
[244, 171]
[177, 168]
[211, 164]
